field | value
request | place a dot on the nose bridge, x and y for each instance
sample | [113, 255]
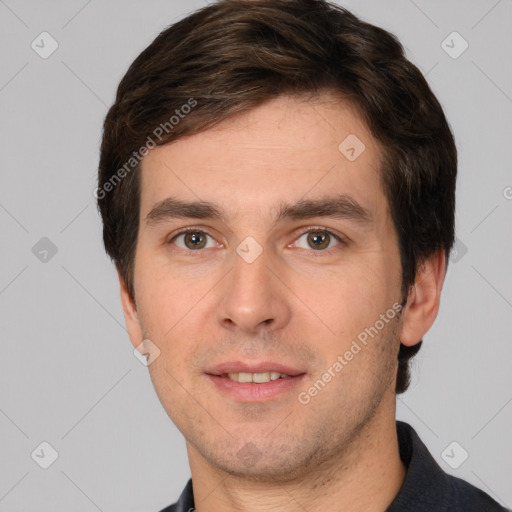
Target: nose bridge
[252, 295]
[253, 276]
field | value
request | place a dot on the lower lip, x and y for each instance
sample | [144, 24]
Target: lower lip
[251, 392]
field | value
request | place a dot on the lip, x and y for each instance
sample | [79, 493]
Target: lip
[249, 392]
[265, 366]
[254, 393]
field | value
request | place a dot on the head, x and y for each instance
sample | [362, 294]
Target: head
[244, 107]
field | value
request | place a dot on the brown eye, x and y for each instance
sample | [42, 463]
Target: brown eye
[193, 240]
[317, 240]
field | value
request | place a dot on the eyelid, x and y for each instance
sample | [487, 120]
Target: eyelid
[339, 237]
[194, 229]
[324, 229]
[342, 239]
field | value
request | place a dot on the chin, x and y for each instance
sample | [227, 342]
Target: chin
[273, 462]
[260, 471]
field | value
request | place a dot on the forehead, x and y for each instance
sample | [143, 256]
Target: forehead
[289, 148]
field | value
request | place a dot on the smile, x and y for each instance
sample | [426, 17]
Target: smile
[256, 378]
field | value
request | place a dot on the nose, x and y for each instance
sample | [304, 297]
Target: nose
[254, 297]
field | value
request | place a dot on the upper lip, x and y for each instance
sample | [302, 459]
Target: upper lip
[264, 366]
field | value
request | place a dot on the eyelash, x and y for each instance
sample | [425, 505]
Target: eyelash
[312, 229]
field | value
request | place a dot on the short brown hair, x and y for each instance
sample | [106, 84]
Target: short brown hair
[234, 55]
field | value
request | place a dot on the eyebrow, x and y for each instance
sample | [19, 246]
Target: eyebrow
[172, 208]
[340, 206]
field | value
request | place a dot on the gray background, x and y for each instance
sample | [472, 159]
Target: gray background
[67, 371]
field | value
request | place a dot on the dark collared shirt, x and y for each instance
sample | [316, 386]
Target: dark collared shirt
[426, 488]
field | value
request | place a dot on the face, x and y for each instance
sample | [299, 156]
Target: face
[266, 250]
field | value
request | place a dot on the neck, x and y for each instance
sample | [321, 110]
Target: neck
[366, 477]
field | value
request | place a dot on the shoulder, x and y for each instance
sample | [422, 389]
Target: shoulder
[185, 502]
[467, 497]
[170, 508]
[428, 488]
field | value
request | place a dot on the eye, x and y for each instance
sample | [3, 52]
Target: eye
[193, 240]
[318, 239]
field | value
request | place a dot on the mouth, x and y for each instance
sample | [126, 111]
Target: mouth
[255, 378]
[254, 383]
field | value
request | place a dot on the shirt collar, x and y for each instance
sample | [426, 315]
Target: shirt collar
[185, 502]
[424, 475]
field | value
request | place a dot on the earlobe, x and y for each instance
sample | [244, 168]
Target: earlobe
[423, 300]
[131, 315]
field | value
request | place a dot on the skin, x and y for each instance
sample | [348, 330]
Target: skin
[295, 304]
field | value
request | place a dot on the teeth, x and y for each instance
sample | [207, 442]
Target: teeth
[244, 377]
[258, 378]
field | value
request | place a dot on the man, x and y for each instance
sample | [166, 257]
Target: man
[277, 186]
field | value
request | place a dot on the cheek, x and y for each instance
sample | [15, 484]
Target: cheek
[166, 295]
[348, 298]
[176, 312]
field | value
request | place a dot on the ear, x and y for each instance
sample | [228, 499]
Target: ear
[423, 300]
[131, 315]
